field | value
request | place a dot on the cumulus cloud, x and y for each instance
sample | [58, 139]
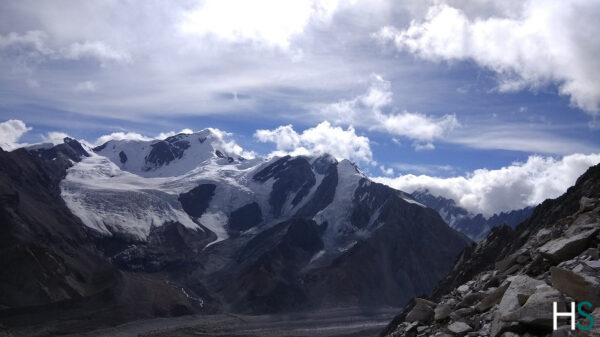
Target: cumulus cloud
[10, 132]
[515, 186]
[323, 138]
[230, 145]
[269, 22]
[367, 110]
[544, 42]
[55, 137]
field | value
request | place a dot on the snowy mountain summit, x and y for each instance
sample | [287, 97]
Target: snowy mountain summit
[173, 156]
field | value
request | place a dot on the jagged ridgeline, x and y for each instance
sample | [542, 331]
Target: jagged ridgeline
[506, 284]
[138, 229]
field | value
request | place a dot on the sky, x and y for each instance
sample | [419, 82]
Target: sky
[495, 104]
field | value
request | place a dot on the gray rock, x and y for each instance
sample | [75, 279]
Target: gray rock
[519, 285]
[463, 289]
[537, 311]
[460, 313]
[470, 299]
[543, 235]
[581, 287]
[587, 204]
[425, 302]
[513, 269]
[459, 328]
[420, 313]
[492, 298]
[565, 248]
[442, 311]
[506, 263]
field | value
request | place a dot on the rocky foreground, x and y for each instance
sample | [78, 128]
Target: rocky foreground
[506, 285]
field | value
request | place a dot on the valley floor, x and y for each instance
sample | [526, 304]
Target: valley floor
[347, 322]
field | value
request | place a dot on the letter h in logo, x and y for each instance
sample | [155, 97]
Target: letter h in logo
[556, 314]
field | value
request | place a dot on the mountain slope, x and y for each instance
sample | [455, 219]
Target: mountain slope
[475, 226]
[50, 268]
[508, 282]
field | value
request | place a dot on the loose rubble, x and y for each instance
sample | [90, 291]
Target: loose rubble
[558, 263]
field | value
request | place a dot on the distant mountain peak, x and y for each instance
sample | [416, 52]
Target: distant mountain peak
[475, 226]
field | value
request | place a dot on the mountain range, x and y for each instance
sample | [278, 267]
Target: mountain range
[475, 226]
[134, 229]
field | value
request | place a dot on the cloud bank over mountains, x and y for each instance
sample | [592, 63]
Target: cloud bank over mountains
[539, 43]
[511, 187]
[486, 191]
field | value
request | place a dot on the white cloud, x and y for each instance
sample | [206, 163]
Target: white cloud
[511, 187]
[10, 132]
[323, 138]
[86, 86]
[121, 136]
[55, 137]
[34, 41]
[544, 42]
[524, 138]
[388, 171]
[367, 110]
[96, 50]
[270, 22]
[230, 145]
[34, 45]
[164, 135]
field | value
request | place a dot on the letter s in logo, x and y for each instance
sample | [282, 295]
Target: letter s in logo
[585, 314]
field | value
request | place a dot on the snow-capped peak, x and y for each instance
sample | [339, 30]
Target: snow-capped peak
[172, 156]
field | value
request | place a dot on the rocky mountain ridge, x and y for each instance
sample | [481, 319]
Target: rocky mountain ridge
[506, 284]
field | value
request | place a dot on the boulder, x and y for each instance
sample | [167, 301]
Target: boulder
[581, 287]
[470, 299]
[566, 248]
[520, 285]
[423, 301]
[442, 311]
[543, 235]
[537, 310]
[421, 312]
[460, 313]
[459, 328]
[492, 298]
